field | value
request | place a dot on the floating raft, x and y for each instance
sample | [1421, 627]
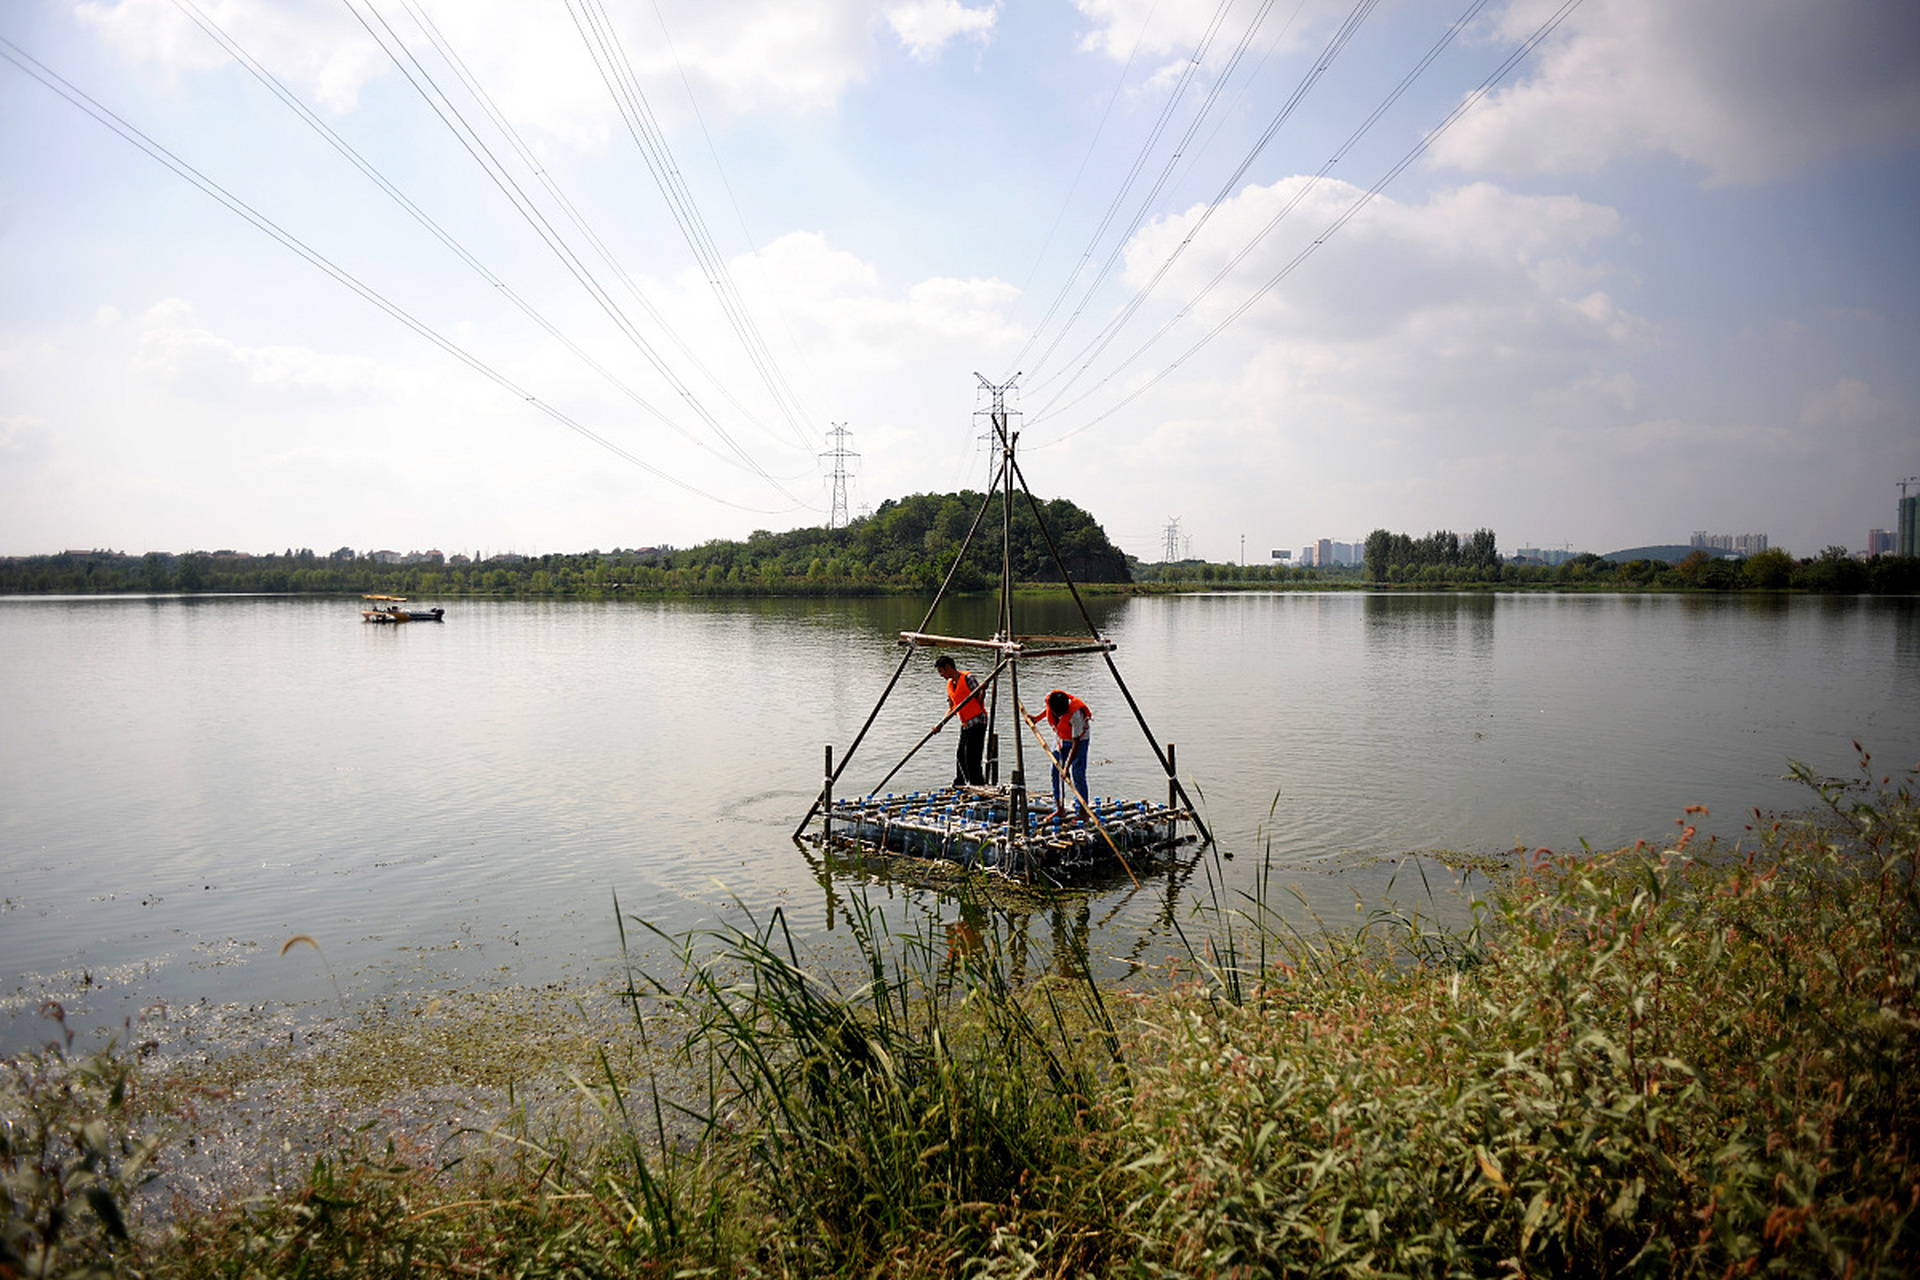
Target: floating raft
[969, 826]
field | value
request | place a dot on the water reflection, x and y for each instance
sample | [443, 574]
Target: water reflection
[1430, 619]
[1905, 620]
[1059, 926]
[186, 784]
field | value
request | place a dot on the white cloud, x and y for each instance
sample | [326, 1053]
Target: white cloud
[1445, 264]
[738, 58]
[925, 26]
[190, 360]
[315, 45]
[830, 313]
[1439, 363]
[1156, 27]
[1846, 405]
[21, 435]
[1751, 90]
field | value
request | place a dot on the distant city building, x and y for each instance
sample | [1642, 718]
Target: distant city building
[1739, 544]
[1879, 542]
[1542, 555]
[457, 558]
[1326, 553]
[386, 557]
[1907, 540]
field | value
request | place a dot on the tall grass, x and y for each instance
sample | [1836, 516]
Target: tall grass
[1648, 1062]
[1658, 1066]
[910, 1117]
[70, 1160]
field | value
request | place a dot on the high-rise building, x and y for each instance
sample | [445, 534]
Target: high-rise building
[1879, 542]
[1740, 544]
[1907, 541]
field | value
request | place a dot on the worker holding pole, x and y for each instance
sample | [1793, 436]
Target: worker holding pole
[1073, 724]
[963, 695]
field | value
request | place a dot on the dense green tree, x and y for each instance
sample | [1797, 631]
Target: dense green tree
[1771, 569]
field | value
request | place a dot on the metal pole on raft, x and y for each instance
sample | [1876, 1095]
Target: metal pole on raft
[826, 800]
[1173, 784]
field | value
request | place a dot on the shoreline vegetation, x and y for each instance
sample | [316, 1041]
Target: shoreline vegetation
[909, 546]
[1672, 1059]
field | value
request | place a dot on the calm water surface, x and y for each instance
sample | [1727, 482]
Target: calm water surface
[186, 784]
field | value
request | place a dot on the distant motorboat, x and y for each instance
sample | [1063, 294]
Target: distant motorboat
[388, 609]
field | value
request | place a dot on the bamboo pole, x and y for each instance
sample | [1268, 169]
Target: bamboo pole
[1067, 777]
[985, 504]
[1138, 715]
[951, 711]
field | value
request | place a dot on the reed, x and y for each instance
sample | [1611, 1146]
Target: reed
[1643, 1064]
[1658, 1061]
[907, 1117]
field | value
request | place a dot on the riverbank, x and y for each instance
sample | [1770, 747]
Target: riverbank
[912, 567]
[1680, 1059]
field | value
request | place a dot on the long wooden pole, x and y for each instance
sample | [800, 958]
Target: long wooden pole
[1017, 788]
[1138, 715]
[1067, 777]
[847, 759]
[951, 712]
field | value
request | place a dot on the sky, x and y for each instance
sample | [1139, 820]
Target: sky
[556, 275]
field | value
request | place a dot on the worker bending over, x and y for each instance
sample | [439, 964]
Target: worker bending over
[1073, 724]
[963, 694]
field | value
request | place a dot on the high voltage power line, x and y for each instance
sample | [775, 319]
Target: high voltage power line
[610, 59]
[470, 140]
[617, 73]
[131, 134]
[1513, 59]
[1316, 71]
[327, 134]
[540, 171]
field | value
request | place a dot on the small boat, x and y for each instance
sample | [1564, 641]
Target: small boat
[388, 609]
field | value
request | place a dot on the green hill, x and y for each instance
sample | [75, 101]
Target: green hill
[908, 543]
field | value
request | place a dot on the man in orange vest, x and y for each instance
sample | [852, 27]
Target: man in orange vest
[1073, 724]
[963, 693]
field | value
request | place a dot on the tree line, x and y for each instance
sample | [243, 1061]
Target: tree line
[1442, 560]
[909, 543]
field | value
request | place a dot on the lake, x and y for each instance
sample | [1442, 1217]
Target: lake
[188, 783]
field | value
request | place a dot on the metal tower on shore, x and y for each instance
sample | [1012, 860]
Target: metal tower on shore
[837, 478]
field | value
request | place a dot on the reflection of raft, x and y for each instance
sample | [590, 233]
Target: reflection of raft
[969, 826]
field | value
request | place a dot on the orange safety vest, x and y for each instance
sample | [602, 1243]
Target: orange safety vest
[963, 693]
[1063, 725]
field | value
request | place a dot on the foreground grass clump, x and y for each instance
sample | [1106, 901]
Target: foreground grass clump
[1654, 1066]
[1650, 1062]
[69, 1161]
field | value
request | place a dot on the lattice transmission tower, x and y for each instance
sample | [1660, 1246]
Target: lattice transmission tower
[839, 454]
[997, 408]
[1173, 540]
